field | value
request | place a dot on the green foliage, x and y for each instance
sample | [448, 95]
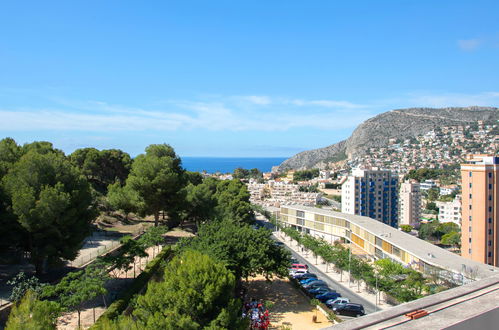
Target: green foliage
[432, 194]
[451, 238]
[306, 174]
[435, 230]
[233, 201]
[33, 314]
[76, 288]
[158, 178]
[102, 168]
[312, 188]
[422, 174]
[196, 292]
[406, 228]
[201, 203]
[241, 173]
[118, 306]
[52, 203]
[123, 199]
[21, 283]
[244, 250]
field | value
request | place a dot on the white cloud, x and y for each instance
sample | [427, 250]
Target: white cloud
[469, 44]
[224, 114]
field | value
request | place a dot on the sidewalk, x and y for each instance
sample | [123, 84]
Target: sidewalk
[321, 265]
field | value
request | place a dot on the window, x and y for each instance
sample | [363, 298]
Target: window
[490, 254]
[470, 196]
[490, 243]
[490, 208]
[471, 185]
[490, 175]
[490, 231]
[470, 207]
[490, 197]
[490, 185]
[471, 174]
[470, 218]
[469, 240]
[490, 220]
[469, 251]
[470, 229]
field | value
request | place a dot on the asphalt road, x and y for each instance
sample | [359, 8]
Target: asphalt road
[339, 287]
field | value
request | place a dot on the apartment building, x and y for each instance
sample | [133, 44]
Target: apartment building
[480, 209]
[410, 204]
[380, 241]
[450, 211]
[371, 192]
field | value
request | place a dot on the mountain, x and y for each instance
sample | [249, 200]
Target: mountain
[397, 124]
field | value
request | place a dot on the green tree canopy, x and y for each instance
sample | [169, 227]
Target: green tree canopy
[124, 199]
[196, 292]
[158, 178]
[233, 201]
[32, 313]
[451, 238]
[102, 168]
[244, 250]
[53, 204]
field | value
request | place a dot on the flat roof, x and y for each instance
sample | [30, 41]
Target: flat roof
[429, 253]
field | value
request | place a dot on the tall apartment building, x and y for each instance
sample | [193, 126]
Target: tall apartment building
[372, 193]
[410, 204]
[480, 209]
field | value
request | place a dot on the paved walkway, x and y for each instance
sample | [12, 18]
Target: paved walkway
[341, 280]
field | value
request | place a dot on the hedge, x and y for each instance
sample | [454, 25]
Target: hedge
[120, 304]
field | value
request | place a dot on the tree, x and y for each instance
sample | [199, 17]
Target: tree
[77, 288]
[244, 250]
[406, 228]
[452, 238]
[158, 178]
[21, 283]
[52, 203]
[32, 313]
[10, 153]
[102, 168]
[201, 203]
[233, 201]
[195, 292]
[123, 198]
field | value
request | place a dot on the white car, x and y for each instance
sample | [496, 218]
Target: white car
[294, 272]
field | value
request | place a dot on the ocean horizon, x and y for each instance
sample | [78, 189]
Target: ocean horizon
[229, 164]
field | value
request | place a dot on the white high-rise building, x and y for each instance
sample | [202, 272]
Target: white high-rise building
[373, 193]
[450, 211]
[410, 204]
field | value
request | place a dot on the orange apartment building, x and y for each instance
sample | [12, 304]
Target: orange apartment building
[480, 209]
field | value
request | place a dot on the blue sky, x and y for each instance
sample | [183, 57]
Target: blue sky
[235, 78]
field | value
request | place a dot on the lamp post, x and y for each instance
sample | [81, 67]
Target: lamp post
[349, 262]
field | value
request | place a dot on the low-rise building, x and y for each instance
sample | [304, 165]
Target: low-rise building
[450, 211]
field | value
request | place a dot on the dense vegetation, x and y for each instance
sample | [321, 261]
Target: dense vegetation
[305, 175]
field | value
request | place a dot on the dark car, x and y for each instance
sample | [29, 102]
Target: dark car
[314, 285]
[305, 276]
[331, 303]
[350, 310]
[308, 280]
[328, 295]
[320, 290]
[293, 261]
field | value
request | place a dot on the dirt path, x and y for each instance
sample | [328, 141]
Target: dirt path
[291, 308]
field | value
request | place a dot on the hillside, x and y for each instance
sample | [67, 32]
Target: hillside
[397, 124]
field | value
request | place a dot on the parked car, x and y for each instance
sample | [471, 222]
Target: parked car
[331, 303]
[299, 266]
[295, 272]
[279, 243]
[350, 310]
[304, 276]
[315, 284]
[309, 280]
[294, 261]
[328, 295]
[320, 290]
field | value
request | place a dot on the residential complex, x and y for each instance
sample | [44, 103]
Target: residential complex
[371, 192]
[277, 193]
[450, 211]
[480, 209]
[377, 241]
[410, 204]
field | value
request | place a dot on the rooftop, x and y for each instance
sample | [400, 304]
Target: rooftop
[429, 253]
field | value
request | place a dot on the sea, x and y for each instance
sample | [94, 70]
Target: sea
[228, 165]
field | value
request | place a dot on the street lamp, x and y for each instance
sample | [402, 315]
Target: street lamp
[349, 262]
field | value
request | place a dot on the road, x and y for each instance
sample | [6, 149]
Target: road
[339, 287]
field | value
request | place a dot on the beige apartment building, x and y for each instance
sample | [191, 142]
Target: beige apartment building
[410, 204]
[480, 209]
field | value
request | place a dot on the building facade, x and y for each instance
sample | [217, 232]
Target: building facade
[410, 204]
[380, 241]
[372, 193]
[450, 211]
[480, 209]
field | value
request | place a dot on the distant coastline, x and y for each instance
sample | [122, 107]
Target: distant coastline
[229, 164]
